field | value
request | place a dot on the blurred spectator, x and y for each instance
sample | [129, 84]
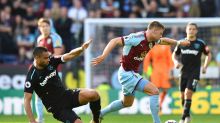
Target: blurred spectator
[151, 8]
[165, 9]
[77, 13]
[4, 3]
[64, 23]
[108, 7]
[126, 7]
[55, 10]
[207, 8]
[18, 8]
[38, 7]
[17, 26]
[25, 43]
[8, 49]
[94, 9]
[30, 19]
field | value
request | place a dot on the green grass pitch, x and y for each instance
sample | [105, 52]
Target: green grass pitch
[113, 118]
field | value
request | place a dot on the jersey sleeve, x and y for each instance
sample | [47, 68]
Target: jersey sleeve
[56, 60]
[206, 49]
[57, 41]
[28, 85]
[133, 39]
[177, 50]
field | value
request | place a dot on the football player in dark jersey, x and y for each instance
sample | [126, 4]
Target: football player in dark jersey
[190, 62]
[43, 78]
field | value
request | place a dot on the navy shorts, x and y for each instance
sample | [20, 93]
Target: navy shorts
[69, 101]
[190, 83]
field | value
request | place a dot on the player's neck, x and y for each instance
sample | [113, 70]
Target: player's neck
[191, 38]
[45, 35]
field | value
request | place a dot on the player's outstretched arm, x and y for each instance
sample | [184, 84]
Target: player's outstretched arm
[114, 42]
[76, 52]
[169, 41]
[27, 106]
[206, 62]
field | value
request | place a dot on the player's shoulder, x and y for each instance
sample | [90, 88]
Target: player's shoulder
[31, 73]
[201, 41]
[40, 37]
[55, 35]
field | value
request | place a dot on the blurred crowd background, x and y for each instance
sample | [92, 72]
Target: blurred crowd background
[18, 19]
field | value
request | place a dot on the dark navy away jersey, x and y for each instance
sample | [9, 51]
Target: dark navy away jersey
[46, 82]
[191, 57]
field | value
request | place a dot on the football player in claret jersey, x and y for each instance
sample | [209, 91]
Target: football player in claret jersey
[135, 48]
[43, 78]
[191, 63]
[53, 42]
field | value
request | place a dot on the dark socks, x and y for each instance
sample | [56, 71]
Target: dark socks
[183, 101]
[187, 106]
[95, 108]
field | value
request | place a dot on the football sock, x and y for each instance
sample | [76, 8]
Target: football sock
[114, 106]
[154, 107]
[186, 110]
[95, 108]
[183, 101]
[162, 97]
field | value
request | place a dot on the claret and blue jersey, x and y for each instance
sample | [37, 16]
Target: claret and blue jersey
[136, 46]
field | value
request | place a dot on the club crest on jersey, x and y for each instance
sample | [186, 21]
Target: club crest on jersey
[197, 46]
[150, 45]
[50, 67]
[49, 41]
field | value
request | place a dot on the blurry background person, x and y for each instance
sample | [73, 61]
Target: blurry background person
[160, 58]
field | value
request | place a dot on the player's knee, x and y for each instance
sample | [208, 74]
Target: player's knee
[127, 104]
[93, 95]
[77, 121]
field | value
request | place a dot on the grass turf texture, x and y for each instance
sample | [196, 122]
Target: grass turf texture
[112, 118]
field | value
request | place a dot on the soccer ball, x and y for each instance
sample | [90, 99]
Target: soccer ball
[170, 121]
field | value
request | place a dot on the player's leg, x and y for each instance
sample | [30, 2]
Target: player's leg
[118, 104]
[162, 96]
[191, 88]
[150, 89]
[91, 96]
[67, 116]
[164, 85]
[182, 87]
[39, 109]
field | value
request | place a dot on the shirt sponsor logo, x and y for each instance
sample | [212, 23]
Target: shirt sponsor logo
[141, 58]
[194, 52]
[48, 77]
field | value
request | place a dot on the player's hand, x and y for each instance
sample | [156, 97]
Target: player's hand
[204, 70]
[86, 44]
[97, 60]
[184, 42]
[177, 65]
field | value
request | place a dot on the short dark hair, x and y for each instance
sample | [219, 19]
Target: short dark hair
[38, 51]
[43, 20]
[155, 24]
[193, 24]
